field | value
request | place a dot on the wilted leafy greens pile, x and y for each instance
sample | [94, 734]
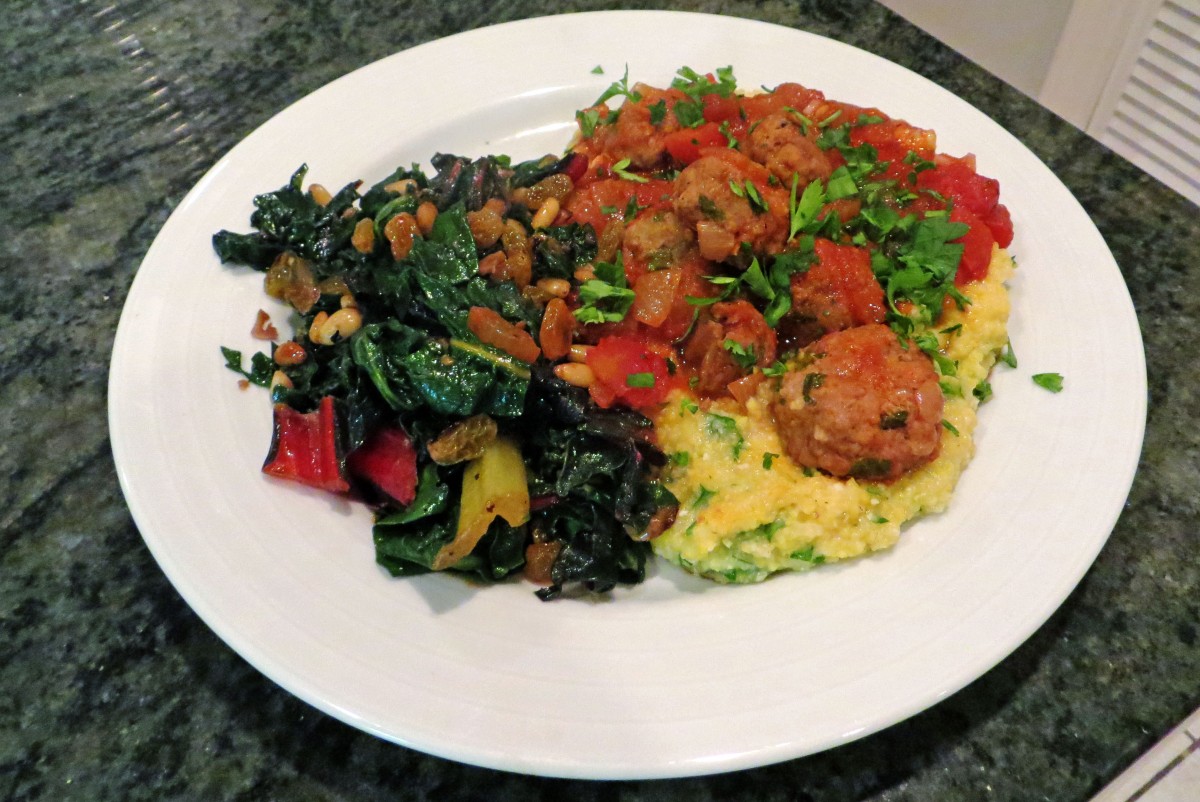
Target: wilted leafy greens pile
[415, 365]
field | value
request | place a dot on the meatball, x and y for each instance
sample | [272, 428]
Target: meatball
[867, 406]
[782, 147]
[633, 136]
[655, 240]
[840, 291]
[716, 195]
[727, 346]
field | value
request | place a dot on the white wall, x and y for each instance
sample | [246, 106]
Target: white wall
[1014, 39]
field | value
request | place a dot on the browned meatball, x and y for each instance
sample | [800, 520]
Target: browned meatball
[727, 346]
[780, 145]
[656, 239]
[839, 291]
[633, 136]
[711, 195]
[866, 407]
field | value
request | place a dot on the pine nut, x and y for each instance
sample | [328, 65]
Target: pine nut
[338, 326]
[579, 353]
[575, 373]
[280, 379]
[400, 187]
[348, 301]
[585, 273]
[314, 330]
[546, 213]
[557, 287]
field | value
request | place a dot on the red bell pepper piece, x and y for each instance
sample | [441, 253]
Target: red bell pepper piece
[389, 462]
[306, 448]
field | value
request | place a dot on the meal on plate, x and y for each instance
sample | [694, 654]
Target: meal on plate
[746, 331]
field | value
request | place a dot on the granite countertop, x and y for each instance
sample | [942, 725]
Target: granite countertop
[112, 688]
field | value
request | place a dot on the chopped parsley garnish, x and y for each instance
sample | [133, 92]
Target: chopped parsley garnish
[802, 211]
[606, 298]
[681, 458]
[768, 460]
[262, 367]
[633, 207]
[765, 531]
[982, 391]
[621, 170]
[619, 89]
[750, 193]
[726, 427]
[870, 468]
[744, 355]
[950, 427]
[730, 139]
[811, 382]
[690, 113]
[808, 555]
[639, 380]
[1050, 381]
[658, 113]
[703, 498]
[710, 209]
[588, 120]
[893, 420]
[688, 405]
[1008, 356]
[597, 70]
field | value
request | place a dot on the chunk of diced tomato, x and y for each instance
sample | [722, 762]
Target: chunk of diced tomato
[685, 145]
[977, 247]
[629, 371]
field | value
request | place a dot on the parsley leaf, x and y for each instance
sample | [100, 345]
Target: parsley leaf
[1050, 381]
[658, 112]
[621, 170]
[639, 380]
[607, 297]
[619, 89]
[588, 120]
[743, 355]
[262, 367]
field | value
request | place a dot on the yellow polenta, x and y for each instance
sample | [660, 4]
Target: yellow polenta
[747, 511]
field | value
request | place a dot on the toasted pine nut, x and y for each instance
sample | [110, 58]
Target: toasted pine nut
[338, 326]
[363, 238]
[280, 379]
[400, 187]
[557, 287]
[578, 353]
[314, 330]
[546, 213]
[585, 273]
[575, 373]
[348, 301]
[289, 353]
[427, 212]
[319, 194]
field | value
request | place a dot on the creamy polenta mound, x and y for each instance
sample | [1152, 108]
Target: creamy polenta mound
[746, 510]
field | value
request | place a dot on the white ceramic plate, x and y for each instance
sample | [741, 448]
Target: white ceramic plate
[676, 676]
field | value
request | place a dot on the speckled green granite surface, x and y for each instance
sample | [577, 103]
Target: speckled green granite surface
[111, 688]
